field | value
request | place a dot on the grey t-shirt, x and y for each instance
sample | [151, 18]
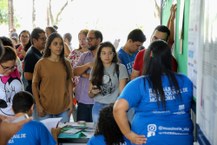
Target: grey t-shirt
[110, 86]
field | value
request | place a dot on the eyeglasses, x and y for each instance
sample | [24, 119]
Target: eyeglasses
[6, 68]
[90, 38]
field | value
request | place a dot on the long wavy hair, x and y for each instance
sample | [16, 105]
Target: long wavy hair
[108, 127]
[47, 52]
[98, 68]
[157, 63]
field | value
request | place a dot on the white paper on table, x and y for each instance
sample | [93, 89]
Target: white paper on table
[88, 134]
[72, 131]
[51, 122]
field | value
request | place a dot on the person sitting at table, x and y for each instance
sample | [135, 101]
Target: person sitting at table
[107, 131]
[33, 132]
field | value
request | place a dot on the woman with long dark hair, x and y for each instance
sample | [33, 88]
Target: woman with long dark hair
[107, 131]
[53, 29]
[21, 49]
[162, 101]
[25, 43]
[107, 79]
[51, 84]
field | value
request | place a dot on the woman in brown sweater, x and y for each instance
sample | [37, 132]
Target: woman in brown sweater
[51, 84]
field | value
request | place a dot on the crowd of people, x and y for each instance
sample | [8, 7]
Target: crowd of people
[133, 96]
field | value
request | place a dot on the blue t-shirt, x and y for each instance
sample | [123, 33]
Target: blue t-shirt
[32, 133]
[127, 59]
[160, 126]
[100, 140]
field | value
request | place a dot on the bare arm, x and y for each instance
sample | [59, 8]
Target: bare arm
[134, 74]
[8, 129]
[170, 25]
[119, 111]
[85, 75]
[122, 84]
[93, 90]
[120, 115]
[79, 70]
[66, 50]
[28, 76]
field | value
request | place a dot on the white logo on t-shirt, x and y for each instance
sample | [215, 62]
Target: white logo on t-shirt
[151, 129]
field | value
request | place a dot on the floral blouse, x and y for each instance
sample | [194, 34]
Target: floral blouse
[74, 57]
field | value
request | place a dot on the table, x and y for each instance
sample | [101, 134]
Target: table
[75, 133]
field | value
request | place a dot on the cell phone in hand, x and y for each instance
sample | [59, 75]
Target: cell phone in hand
[20, 118]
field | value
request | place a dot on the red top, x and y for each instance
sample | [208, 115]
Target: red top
[139, 62]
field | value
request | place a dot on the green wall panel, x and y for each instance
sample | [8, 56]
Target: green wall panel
[180, 53]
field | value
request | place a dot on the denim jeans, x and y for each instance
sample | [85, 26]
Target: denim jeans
[84, 112]
[64, 115]
[97, 107]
